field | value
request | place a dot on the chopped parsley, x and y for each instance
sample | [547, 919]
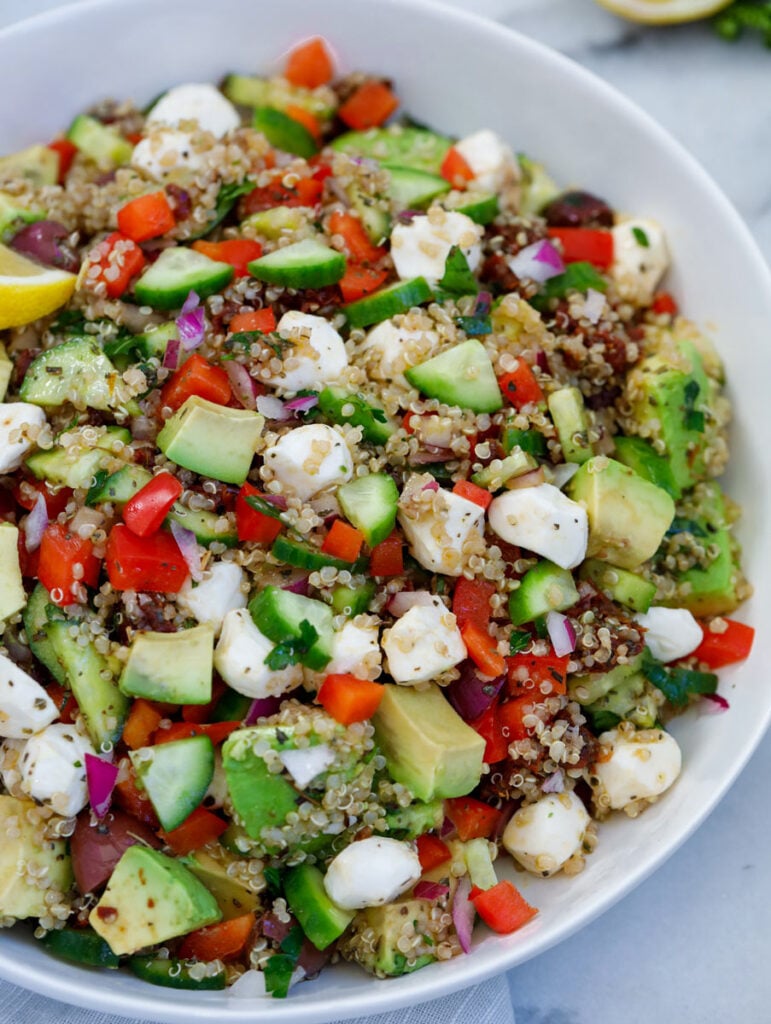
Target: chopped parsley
[578, 277]
[677, 684]
[290, 652]
[641, 238]
[693, 418]
[519, 641]
[458, 278]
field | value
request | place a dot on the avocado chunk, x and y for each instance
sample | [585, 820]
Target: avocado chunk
[23, 848]
[628, 516]
[641, 456]
[231, 892]
[321, 919]
[261, 799]
[373, 941]
[172, 667]
[151, 898]
[12, 596]
[13, 216]
[38, 165]
[673, 401]
[212, 440]
[568, 412]
[427, 745]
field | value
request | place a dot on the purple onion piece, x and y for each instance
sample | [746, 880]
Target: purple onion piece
[242, 384]
[36, 524]
[101, 777]
[187, 543]
[426, 890]
[276, 499]
[463, 913]
[472, 694]
[262, 707]
[272, 928]
[300, 587]
[42, 242]
[302, 404]
[483, 304]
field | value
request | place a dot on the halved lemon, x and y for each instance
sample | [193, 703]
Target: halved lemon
[664, 12]
[29, 291]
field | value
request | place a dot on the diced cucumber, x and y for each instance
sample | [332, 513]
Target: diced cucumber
[36, 616]
[171, 973]
[397, 298]
[275, 222]
[283, 132]
[280, 615]
[303, 555]
[177, 272]
[203, 524]
[320, 919]
[462, 375]
[118, 487]
[494, 476]
[91, 678]
[172, 667]
[372, 210]
[305, 264]
[411, 189]
[569, 415]
[480, 863]
[416, 818]
[276, 92]
[37, 165]
[100, 142]
[175, 776]
[481, 207]
[370, 503]
[620, 585]
[76, 370]
[544, 588]
[342, 406]
[641, 456]
[353, 600]
[538, 188]
[148, 345]
[530, 441]
[81, 945]
[416, 148]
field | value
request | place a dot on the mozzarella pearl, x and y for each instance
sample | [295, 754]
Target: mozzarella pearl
[316, 355]
[421, 248]
[240, 655]
[640, 766]
[218, 593]
[310, 459]
[423, 643]
[671, 633]
[542, 519]
[53, 768]
[371, 872]
[543, 835]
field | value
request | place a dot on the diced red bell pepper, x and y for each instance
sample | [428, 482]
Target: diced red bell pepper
[66, 559]
[216, 731]
[349, 699]
[304, 192]
[472, 818]
[141, 723]
[719, 649]
[519, 387]
[590, 245]
[64, 701]
[199, 377]
[66, 151]
[503, 907]
[387, 557]
[511, 716]
[145, 217]
[198, 829]
[471, 601]
[358, 244]
[547, 668]
[146, 511]
[309, 64]
[222, 941]
[238, 252]
[134, 800]
[368, 107]
[343, 541]
[482, 649]
[263, 320]
[252, 524]
[663, 302]
[152, 563]
[26, 491]
[432, 851]
[358, 281]
[456, 169]
[119, 260]
[489, 727]
[480, 496]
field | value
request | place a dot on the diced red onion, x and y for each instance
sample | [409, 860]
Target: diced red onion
[273, 928]
[463, 913]
[242, 384]
[191, 302]
[143, 428]
[541, 360]
[171, 355]
[262, 707]
[188, 547]
[272, 408]
[471, 694]
[298, 975]
[399, 604]
[505, 815]
[531, 479]
[276, 499]
[426, 890]
[101, 777]
[447, 828]
[408, 216]
[43, 241]
[250, 985]
[430, 455]
[300, 586]
[311, 959]
[483, 304]
[191, 322]
[561, 633]
[538, 262]
[564, 472]
[432, 485]
[714, 704]
[302, 404]
[594, 304]
[555, 783]
[36, 524]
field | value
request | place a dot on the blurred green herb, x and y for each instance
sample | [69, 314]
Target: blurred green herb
[744, 16]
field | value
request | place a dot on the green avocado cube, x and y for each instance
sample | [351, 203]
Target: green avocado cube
[171, 667]
[12, 595]
[211, 439]
[24, 847]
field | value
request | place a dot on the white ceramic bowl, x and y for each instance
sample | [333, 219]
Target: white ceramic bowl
[456, 73]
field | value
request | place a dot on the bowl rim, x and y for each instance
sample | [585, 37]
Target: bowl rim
[433, 984]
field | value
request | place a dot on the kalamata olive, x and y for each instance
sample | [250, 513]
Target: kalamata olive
[43, 241]
[578, 210]
[96, 849]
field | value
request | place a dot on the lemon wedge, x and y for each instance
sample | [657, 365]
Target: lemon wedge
[664, 12]
[29, 291]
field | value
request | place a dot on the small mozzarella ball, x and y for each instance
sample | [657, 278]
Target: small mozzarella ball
[316, 355]
[355, 648]
[671, 633]
[641, 765]
[420, 248]
[166, 151]
[640, 259]
[25, 707]
[200, 102]
[310, 459]
[16, 418]
[439, 533]
[240, 655]
[218, 593]
[543, 835]
[305, 763]
[390, 350]
[543, 520]
[423, 643]
[53, 768]
[371, 872]
[490, 159]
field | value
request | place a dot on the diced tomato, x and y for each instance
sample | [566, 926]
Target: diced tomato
[432, 851]
[472, 818]
[66, 151]
[719, 649]
[547, 668]
[304, 192]
[357, 242]
[519, 387]
[134, 800]
[198, 829]
[358, 281]
[146, 511]
[65, 560]
[482, 649]
[26, 491]
[64, 701]
[197, 377]
[371, 105]
[321, 170]
[343, 541]
[503, 907]
[590, 245]
[455, 169]
[152, 563]
[511, 716]
[387, 557]
[118, 253]
[471, 601]
[145, 217]
[309, 64]
[141, 723]
[480, 496]
[263, 320]
[223, 941]
[251, 523]
[489, 728]
[349, 699]
[663, 302]
[238, 252]
[216, 731]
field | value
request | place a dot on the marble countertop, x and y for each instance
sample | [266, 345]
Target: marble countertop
[689, 945]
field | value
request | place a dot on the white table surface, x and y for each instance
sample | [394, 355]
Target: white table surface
[690, 944]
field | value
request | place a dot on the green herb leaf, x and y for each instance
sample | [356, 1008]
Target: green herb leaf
[273, 879]
[264, 507]
[293, 942]
[693, 418]
[519, 640]
[290, 652]
[458, 278]
[99, 478]
[677, 684]
[641, 238]
[278, 974]
[475, 326]
[680, 524]
[578, 277]
[601, 720]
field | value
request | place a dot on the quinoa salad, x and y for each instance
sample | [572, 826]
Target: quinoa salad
[360, 532]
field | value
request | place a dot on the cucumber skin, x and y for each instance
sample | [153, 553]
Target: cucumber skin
[278, 614]
[305, 264]
[442, 378]
[157, 286]
[303, 556]
[283, 132]
[331, 404]
[370, 502]
[158, 972]
[194, 759]
[398, 298]
[35, 618]
[80, 946]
